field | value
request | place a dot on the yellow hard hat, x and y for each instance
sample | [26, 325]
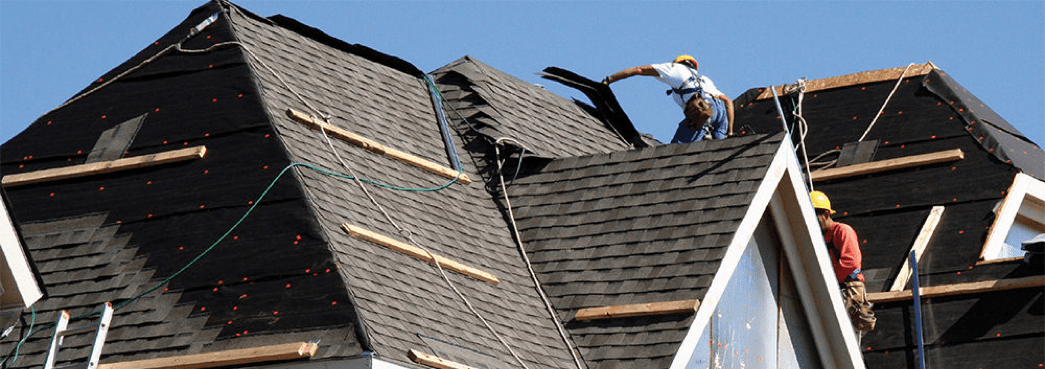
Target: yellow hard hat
[687, 58]
[820, 201]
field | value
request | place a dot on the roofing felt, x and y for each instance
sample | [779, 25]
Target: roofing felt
[201, 95]
[928, 113]
[287, 272]
[641, 226]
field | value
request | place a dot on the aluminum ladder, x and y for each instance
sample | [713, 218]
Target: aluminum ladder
[61, 331]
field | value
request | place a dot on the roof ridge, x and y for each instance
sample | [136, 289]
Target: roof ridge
[852, 79]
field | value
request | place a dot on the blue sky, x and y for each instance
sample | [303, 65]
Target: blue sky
[50, 50]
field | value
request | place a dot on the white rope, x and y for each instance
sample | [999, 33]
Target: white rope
[887, 98]
[526, 258]
[803, 128]
[175, 47]
[407, 233]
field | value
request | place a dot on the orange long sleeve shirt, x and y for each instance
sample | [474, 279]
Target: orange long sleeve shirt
[845, 242]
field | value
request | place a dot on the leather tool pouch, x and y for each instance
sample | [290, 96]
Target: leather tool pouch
[858, 307]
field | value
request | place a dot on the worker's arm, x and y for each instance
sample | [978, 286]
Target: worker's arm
[646, 70]
[729, 111]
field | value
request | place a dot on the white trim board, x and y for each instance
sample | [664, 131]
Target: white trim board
[1024, 188]
[784, 195]
[20, 288]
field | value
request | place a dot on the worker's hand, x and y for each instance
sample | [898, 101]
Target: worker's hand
[606, 81]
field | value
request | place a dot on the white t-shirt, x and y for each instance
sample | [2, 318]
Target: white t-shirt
[680, 77]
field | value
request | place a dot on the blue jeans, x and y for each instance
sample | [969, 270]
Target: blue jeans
[717, 125]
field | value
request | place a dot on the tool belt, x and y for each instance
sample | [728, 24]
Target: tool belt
[697, 112]
[858, 307]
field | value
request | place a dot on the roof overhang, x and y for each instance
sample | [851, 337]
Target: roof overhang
[784, 195]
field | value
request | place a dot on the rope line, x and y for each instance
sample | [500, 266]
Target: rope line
[803, 128]
[250, 210]
[522, 251]
[14, 357]
[360, 181]
[408, 234]
[887, 98]
[515, 231]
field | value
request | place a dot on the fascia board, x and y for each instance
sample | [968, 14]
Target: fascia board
[734, 252]
[804, 247]
[1023, 186]
[16, 263]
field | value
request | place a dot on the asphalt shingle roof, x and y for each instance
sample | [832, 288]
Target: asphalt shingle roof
[288, 272]
[649, 225]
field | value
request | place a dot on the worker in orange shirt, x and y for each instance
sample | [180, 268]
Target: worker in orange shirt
[841, 241]
[846, 258]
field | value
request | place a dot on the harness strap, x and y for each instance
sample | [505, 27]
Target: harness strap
[683, 91]
[855, 275]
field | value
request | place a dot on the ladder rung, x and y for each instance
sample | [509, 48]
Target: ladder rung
[71, 366]
[79, 330]
[100, 330]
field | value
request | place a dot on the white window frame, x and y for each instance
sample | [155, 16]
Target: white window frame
[1024, 204]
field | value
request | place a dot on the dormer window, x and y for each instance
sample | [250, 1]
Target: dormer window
[1019, 218]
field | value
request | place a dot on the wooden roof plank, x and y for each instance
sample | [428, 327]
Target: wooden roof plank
[645, 309]
[960, 289]
[376, 147]
[853, 79]
[102, 167]
[918, 247]
[434, 361]
[890, 164]
[252, 355]
[419, 253]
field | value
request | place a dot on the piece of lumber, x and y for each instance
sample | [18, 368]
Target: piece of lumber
[416, 252]
[434, 361]
[890, 164]
[102, 167]
[253, 355]
[1014, 259]
[918, 247]
[376, 147]
[960, 289]
[860, 78]
[650, 308]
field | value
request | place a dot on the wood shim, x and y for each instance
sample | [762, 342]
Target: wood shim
[918, 247]
[419, 253]
[886, 165]
[434, 361]
[960, 289]
[856, 79]
[377, 148]
[264, 354]
[651, 308]
[102, 167]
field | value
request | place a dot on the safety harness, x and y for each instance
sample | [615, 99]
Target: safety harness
[855, 275]
[695, 78]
